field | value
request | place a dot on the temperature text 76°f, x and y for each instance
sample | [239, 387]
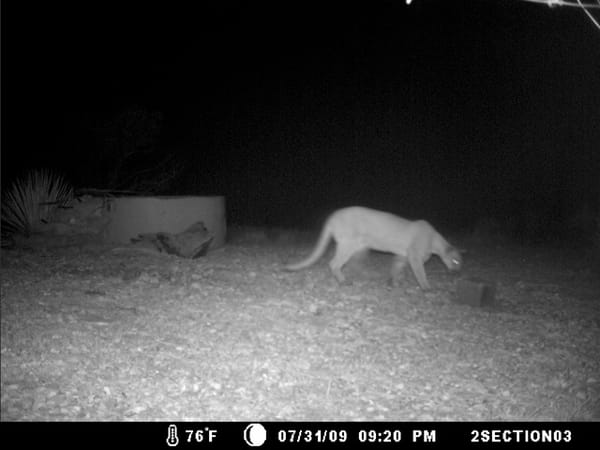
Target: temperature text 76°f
[205, 434]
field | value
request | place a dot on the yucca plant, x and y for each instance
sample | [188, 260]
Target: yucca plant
[32, 199]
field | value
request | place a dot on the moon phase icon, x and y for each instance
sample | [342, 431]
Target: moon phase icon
[255, 435]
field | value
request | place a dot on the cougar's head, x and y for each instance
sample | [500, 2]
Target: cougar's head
[452, 258]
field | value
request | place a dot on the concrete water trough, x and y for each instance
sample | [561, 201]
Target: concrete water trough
[132, 216]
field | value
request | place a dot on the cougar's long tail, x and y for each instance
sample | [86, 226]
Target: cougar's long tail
[318, 251]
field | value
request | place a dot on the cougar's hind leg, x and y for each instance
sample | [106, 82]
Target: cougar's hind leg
[343, 253]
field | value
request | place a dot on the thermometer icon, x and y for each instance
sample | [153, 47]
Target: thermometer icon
[172, 439]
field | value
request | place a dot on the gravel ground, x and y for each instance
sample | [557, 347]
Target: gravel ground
[90, 333]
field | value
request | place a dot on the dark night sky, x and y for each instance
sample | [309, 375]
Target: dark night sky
[447, 110]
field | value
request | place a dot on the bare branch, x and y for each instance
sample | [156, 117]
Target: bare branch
[574, 4]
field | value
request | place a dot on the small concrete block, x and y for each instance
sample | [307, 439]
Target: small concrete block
[475, 292]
